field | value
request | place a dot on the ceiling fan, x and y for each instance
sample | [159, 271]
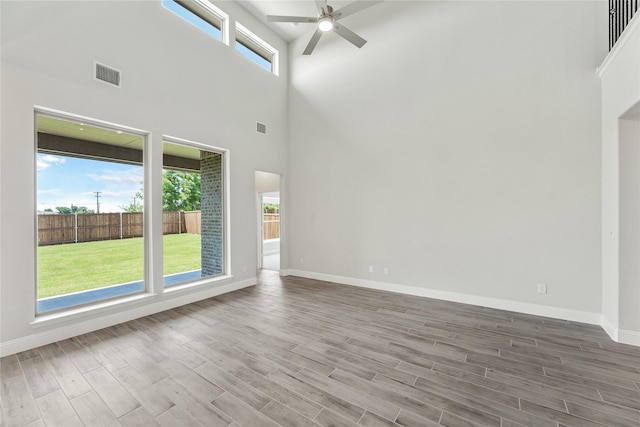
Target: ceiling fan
[327, 21]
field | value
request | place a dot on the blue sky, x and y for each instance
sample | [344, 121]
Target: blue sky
[63, 181]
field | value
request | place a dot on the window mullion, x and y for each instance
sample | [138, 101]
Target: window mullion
[153, 218]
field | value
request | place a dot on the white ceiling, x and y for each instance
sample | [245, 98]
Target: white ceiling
[289, 31]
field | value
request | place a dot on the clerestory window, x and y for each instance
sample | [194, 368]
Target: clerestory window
[256, 49]
[202, 14]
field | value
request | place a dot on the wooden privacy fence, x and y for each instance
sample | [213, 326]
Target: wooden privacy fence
[271, 226]
[192, 221]
[181, 222]
[73, 228]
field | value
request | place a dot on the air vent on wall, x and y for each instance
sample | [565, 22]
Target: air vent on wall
[107, 74]
[261, 128]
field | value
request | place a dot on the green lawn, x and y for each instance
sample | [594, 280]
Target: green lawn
[74, 267]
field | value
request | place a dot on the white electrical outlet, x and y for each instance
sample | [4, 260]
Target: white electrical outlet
[244, 268]
[371, 269]
[386, 270]
[301, 260]
[542, 288]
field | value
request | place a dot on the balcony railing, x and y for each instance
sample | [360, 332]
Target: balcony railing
[620, 13]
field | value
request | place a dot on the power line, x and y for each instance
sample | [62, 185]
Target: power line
[97, 193]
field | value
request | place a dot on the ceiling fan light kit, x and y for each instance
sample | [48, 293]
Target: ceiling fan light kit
[327, 20]
[325, 23]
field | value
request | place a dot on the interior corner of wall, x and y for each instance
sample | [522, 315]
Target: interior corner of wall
[609, 328]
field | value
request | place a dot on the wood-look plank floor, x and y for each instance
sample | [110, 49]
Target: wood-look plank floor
[300, 352]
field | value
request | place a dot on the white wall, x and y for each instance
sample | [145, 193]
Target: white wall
[267, 182]
[176, 81]
[630, 225]
[460, 148]
[620, 75]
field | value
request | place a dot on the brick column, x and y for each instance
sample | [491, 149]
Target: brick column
[211, 207]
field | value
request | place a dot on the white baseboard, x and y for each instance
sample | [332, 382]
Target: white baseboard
[62, 330]
[628, 337]
[65, 331]
[622, 336]
[611, 330]
[521, 307]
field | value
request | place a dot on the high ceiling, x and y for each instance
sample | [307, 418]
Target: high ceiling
[290, 31]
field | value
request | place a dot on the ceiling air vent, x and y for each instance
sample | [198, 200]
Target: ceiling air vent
[261, 128]
[107, 74]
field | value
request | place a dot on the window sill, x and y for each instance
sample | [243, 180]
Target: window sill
[200, 284]
[108, 307]
[88, 310]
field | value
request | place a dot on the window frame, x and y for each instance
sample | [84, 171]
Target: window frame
[153, 276]
[258, 46]
[146, 214]
[206, 11]
[226, 226]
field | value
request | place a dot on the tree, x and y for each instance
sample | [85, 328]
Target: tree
[270, 208]
[74, 209]
[180, 191]
[135, 206]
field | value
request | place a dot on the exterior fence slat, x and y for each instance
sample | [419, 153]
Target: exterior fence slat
[192, 222]
[271, 226]
[173, 222]
[54, 229]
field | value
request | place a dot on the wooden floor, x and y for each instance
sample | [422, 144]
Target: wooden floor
[299, 352]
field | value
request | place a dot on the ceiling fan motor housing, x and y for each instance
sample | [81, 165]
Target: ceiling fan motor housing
[327, 22]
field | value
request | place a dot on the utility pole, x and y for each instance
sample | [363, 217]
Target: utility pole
[97, 193]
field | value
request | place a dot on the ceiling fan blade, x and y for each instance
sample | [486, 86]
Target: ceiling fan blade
[354, 7]
[313, 42]
[348, 35]
[304, 19]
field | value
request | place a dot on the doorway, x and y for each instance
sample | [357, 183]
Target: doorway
[268, 217]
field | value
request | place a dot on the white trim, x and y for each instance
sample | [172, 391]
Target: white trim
[206, 11]
[226, 206]
[611, 330]
[90, 309]
[622, 336]
[260, 225]
[275, 55]
[628, 337]
[226, 188]
[75, 327]
[620, 43]
[218, 13]
[40, 111]
[520, 307]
